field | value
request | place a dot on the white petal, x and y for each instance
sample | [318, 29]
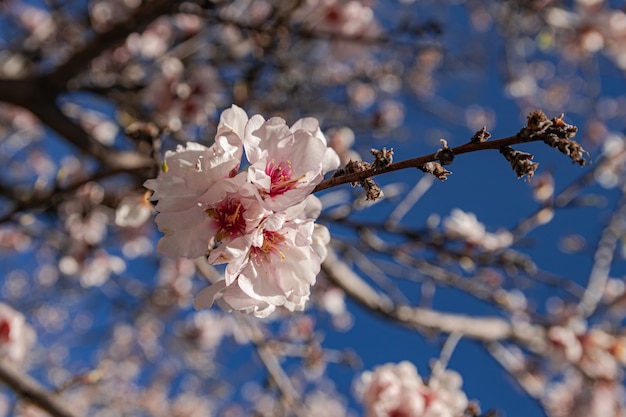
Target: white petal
[208, 295]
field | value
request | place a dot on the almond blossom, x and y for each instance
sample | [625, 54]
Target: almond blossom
[277, 267]
[287, 163]
[260, 221]
[398, 390]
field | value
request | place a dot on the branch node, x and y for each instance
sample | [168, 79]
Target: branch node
[436, 169]
[372, 190]
[445, 155]
[481, 136]
[520, 161]
[382, 158]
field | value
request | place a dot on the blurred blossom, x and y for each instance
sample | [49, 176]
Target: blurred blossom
[13, 239]
[39, 22]
[398, 390]
[577, 396]
[573, 243]
[137, 246]
[192, 405]
[523, 86]
[362, 95]
[598, 354]
[333, 301]
[613, 289]
[153, 42]
[389, 115]
[206, 329]
[346, 18]
[341, 140]
[16, 336]
[90, 228]
[16, 284]
[52, 318]
[175, 283]
[99, 268]
[610, 171]
[465, 226]
[543, 187]
[320, 403]
[422, 78]
[476, 117]
[133, 211]
[180, 96]
[105, 13]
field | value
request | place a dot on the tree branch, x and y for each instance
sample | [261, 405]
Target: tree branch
[29, 389]
[555, 133]
[136, 22]
[485, 329]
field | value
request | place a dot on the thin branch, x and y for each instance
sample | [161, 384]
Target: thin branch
[603, 258]
[29, 389]
[486, 329]
[417, 162]
[555, 133]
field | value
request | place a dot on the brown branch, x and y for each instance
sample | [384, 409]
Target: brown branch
[29, 389]
[39, 97]
[554, 132]
[419, 161]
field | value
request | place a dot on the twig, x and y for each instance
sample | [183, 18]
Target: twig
[29, 389]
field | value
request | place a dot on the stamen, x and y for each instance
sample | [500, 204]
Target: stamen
[228, 216]
[280, 175]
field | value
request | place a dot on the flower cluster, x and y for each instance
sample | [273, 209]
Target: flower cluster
[259, 220]
[397, 390]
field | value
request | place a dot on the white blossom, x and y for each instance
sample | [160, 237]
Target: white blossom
[259, 221]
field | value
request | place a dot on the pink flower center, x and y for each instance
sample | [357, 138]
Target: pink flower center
[228, 216]
[280, 175]
[5, 331]
[270, 248]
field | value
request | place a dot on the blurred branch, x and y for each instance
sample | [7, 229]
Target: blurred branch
[29, 389]
[48, 197]
[485, 328]
[603, 258]
[145, 14]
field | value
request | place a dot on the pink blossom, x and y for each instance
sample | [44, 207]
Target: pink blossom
[16, 336]
[287, 163]
[260, 221]
[274, 266]
[398, 390]
[189, 173]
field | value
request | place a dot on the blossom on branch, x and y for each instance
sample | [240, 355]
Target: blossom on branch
[259, 221]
